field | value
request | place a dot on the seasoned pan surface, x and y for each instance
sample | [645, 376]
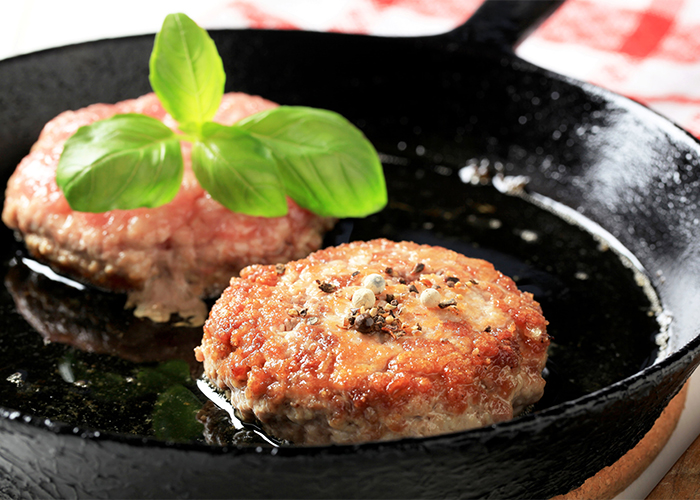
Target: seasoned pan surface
[431, 106]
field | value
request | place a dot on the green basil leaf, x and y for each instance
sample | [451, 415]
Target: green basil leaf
[186, 72]
[164, 375]
[326, 164]
[316, 157]
[175, 415]
[238, 171]
[124, 162]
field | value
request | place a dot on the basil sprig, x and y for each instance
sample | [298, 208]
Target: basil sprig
[316, 157]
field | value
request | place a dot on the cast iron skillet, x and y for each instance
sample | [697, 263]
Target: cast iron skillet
[448, 98]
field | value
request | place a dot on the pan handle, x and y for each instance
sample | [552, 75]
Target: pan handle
[502, 24]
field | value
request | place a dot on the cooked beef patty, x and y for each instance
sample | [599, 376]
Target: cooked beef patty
[375, 340]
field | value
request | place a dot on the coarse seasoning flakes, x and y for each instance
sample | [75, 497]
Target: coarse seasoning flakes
[376, 339]
[326, 287]
[418, 268]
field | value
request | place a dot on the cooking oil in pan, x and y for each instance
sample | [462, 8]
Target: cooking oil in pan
[71, 354]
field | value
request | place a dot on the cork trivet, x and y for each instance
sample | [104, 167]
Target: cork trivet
[683, 479]
[613, 479]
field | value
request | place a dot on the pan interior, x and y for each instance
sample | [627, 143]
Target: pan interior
[70, 353]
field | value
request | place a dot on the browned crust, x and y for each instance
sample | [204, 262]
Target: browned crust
[283, 344]
[612, 480]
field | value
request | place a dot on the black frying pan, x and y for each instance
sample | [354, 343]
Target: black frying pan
[426, 101]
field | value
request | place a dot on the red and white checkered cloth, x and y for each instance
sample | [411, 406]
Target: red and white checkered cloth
[648, 50]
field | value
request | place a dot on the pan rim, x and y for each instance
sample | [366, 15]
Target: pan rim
[525, 423]
[683, 357]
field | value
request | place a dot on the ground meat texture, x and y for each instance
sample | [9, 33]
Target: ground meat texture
[313, 369]
[168, 258]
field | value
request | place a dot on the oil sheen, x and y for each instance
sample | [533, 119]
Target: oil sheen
[71, 354]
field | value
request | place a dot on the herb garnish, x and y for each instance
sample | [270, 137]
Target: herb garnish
[314, 156]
